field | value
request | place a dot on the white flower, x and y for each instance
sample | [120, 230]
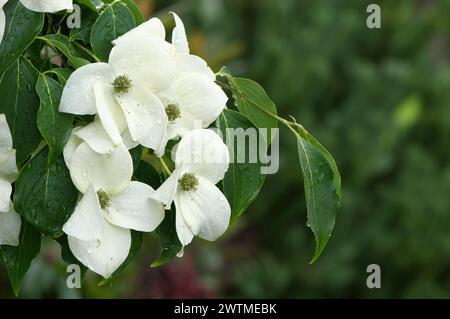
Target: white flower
[201, 209]
[9, 219]
[2, 19]
[99, 228]
[121, 92]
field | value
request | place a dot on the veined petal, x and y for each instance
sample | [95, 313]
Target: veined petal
[200, 97]
[10, 224]
[179, 39]
[87, 222]
[71, 146]
[166, 192]
[147, 61]
[8, 168]
[184, 232]
[194, 64]
[5, 195]
[109, 172]
[152, 27]
[103, 256]
[206, 210]
[134, 209]
[145, 115]
[204, 153]
[49, 6]
[96, 137]
[78, 94]
[110, 113]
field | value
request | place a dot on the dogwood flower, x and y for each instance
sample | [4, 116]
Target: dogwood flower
[202, 210]
[99, 229]
[2, 20]
[9, 220]
[121, 91]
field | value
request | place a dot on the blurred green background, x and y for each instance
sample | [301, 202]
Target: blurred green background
[378, 99]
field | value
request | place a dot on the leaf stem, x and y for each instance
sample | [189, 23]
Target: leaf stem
[164, 166]
[87, 51]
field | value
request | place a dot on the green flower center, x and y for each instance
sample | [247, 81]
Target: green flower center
[104, 199]
[173, 112]
[122, 84]
[188, 182]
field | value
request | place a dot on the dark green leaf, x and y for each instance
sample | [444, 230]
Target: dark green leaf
[54, 126]
[20, 103]
[61, 73]
[137, 14]
[243, 180]
[18, 259]
[21, 28]
[62, 43]
[67, 256]
[44, 194]
[83, 33]
[94, 5]
[170, 244]
[136, 154]
[322, 188]
[148, 174]
[113, 22]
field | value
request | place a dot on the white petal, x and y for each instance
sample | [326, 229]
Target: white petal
[200, 97]
[134, 209]
[10, 227]
[109, 172]
[6, 143]
[71, 146]
[49, 6]
[110, 113]
[78, 94]
[184, 232]
[204, 153]
[5, 195]
[194, 64]
[87, 222]
[179, 39]
[145, 115]
[166, 192]
[2, 24]
[8, 168]
[103, 256]
[128, 140]
[97, 138]
[152, 27]
[206, 211]
[147, 61]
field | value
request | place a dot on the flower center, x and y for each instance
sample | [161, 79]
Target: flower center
[188, 182]
[173, 112]
[104, 198]
[122, 84]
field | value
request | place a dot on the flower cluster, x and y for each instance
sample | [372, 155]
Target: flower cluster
[9, 220]
[149, 92]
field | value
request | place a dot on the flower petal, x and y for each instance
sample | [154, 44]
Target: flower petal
[206, 210]
[87, 222]
[184, 232]
[2, 22]
[179, 39]
[78, 94]
[148, 60]
[71, 146]
[152, 27]
[8, 168]
[6, 142]
[200, 97]
[103, 256]
[96, 137]
[145, 115]
[109, 172]
[49, 6]
[5, 195]
[134, 209]
[109, 111]
[166, 192]
[194, 64]
[204, 153]
[10, 224]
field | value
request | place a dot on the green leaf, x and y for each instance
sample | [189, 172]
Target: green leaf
[61, 73]
[87, 22]
[136, 242]
[136, 154]
[252, 101]
[21, 28]
[67, 256]
[20, 103]
[113, 22]
[148, 174]
[62, 43]
[54, 126]
[18, 259]
[44, 194]
[243, 181]
[94, 5]
[133, 7]
[322, 188]
[170, 244]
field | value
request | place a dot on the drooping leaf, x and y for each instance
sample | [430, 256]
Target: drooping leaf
[322, 188]
[114, 21]
[44, 194]
[170, 244]
[54, 126]
[243, 180]
[21, 27]
[18, 259]
[20, 103]
[62, 44]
